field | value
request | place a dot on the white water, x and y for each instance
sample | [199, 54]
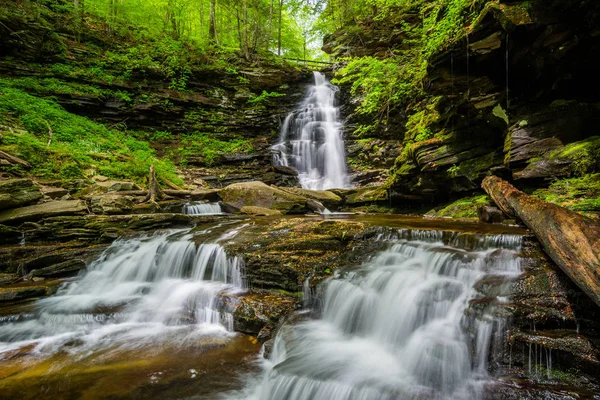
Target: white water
[200, 208]
[146, 290]
[399, 327]
[311, 140]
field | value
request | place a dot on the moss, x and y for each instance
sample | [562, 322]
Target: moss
[577, 194]
[585, 155]
[461, 208]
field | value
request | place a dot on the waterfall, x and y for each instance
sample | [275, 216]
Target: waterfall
[142, 290]
[201, 208]
[311, 140]
[400, 326]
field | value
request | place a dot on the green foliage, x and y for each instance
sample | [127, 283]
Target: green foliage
[264, 96]
[385, 83]
[210, 149]
[78, 147]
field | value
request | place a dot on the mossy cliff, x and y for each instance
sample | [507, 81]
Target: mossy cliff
[507, 88]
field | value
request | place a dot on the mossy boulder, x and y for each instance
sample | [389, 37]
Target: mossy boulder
[252, 210]
[112, 204]
[18, 192]
[258, 194]
[368, 195]
[325, 197]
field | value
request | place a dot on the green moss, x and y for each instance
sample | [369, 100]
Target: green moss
[209, 149]
[577, 194]
[78, 146]
[585, 155]
[461, 208]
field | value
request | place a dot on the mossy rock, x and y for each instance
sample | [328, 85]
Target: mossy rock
[325, 197]
[40, 211]
[368, 195]
[253, 210]
[257, 194]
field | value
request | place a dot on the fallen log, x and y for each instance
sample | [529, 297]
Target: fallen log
[570, 239]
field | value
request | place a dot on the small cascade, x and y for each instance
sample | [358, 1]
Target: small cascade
[399, 327]
[311, 140]
[201, 208]
[162, 288]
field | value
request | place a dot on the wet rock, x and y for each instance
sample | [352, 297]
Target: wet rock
[9, 235]
[315, 206]
[6, 279]
[260, 195]
[18, 192]
[490, 214]
[20, 293]
[45, 210]
[258, 310]
[66, 268]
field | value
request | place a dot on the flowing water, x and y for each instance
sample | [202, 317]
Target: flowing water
[201, 208]
[399, 327]
[311, 140]
[144, 301]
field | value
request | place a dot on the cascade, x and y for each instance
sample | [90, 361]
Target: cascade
[148, 289]
[311, 140]
[201, 208]
[400, 326]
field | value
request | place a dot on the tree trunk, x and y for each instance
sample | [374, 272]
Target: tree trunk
[270, 25]
[154, 192]
[213, 37]
[245, 30]
[279, 32]
[570, 239]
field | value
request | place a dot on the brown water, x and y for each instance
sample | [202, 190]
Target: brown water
[199, 372]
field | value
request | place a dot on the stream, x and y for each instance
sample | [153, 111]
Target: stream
[145, 321]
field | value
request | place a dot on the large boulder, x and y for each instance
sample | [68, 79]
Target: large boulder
[18, 192]
[45, 210]
[258, 194]
[325, 197]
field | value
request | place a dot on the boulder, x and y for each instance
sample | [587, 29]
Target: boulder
[20, 293]
[368, 195]
[490, 214]
[111, 204]
[18, 192]
[325, 197]
[252, 210]
[45, 210]
[258, 194]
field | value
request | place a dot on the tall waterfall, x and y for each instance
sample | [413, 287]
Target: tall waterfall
[311, 140]
[399, 327]
[141, 290]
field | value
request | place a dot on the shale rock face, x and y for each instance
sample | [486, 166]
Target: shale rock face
[517, 98]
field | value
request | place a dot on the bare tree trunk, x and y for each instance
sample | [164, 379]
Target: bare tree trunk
[279, 32]
[245, 30]
[270, 25]
[570, 239]
[154, 192]
[213, 38]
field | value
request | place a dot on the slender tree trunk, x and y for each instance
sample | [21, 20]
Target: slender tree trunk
[213, 37]
[239, 28]
[279, 32]
[245, 30]
[270, 30]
